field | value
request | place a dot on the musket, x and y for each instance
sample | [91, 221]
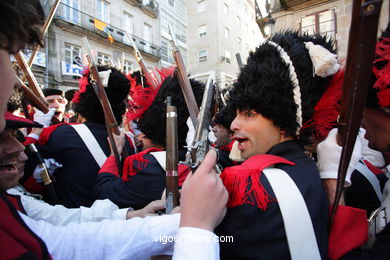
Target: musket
[32, 82]
[200, 144]
[151, 81]
[361, 49]
[45, 27]
[45, 174]
[36, 101]
[184, 81]
[239, 61]
[109, 118]
[172, 158]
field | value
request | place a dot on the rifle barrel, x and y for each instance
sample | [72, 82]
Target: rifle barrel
[111, 124]
[45, 27]
[172, 158]
[184, 81]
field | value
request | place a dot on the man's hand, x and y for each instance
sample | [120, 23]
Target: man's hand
[44, 119]
[51, 166]
[329, 153]
[203, 197]
[149, 209]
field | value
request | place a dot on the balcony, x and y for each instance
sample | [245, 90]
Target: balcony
[71, 18]
[150, 7]
[294, 5]
[135, 2]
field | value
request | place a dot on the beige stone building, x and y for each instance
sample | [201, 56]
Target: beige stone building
[62, 59]
[319, 16]
[218, 29]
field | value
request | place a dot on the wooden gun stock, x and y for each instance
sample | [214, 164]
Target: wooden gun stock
[109, 118]
[172, 158]
[33, 84]
[361, 50]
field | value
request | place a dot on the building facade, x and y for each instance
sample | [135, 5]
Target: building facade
[332, 18]
[219, 29]
[105, 24]
[174, 13]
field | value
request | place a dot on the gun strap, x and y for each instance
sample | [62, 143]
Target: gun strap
[300, 234]
[371, 177]
[161, 158]
[91, 143]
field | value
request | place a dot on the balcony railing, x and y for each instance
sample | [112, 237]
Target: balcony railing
[76, 17]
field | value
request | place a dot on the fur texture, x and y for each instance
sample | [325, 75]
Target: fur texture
[264, 83]
[88, 104]
[153, 121]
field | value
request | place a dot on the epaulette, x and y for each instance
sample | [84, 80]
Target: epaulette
[243, 181]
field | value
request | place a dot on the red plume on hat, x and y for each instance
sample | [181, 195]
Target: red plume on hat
[381, 70]
[83, 82]
[142, 96]
[327, 109]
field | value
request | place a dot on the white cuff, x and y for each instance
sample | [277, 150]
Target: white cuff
[120, 214]
[196, 243]
[35, 136]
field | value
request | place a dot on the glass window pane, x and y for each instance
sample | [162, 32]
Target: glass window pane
[310, 30]
[308, 21]
[326, 16]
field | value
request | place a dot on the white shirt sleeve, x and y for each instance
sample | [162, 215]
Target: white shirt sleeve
[136, 238]
[195, 243]
[58, 215]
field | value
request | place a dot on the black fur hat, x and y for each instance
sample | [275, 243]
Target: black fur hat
[153, 121]
[265, 85]
[87, 103]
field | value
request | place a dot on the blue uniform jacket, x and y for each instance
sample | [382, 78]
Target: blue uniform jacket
[259, 234]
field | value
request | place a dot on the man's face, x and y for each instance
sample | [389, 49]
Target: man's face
[8, 81]
[255, 134]
[222, 134]
[59, 103]
[12, 159]
[377, 125]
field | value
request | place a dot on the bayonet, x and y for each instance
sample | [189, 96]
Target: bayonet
[151, 81]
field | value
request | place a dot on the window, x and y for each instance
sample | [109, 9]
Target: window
[127, 66]
[128, 21]
[104, 59]
[166, 52]
[200, 6]
[147, 36]
[71, 11]
[226, 9]
[227, 33]
[239, 22]
[71, 53]
[227, 56]
[171, 2]
[322, 22]
[239, 41]
[103, 11]
[202, 31]
[202, 55]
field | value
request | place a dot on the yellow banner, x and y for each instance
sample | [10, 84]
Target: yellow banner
[100, 25]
